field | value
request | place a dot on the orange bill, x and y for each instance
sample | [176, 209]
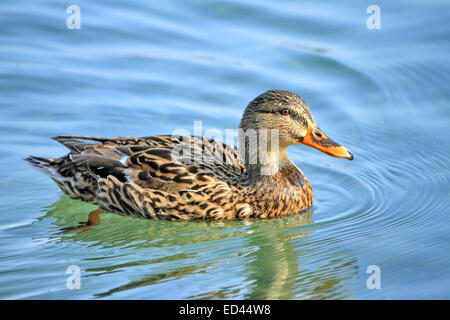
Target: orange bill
[317, 139]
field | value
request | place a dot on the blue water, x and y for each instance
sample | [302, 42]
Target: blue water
[148, 67]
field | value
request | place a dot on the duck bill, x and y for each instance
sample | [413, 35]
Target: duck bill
[317, 139]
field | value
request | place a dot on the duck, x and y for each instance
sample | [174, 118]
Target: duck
[183, 177]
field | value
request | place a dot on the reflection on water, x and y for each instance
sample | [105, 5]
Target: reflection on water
[271, 264]
[146, 68]
[140, 233]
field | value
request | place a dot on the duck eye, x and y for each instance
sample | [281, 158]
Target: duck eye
[285, 112]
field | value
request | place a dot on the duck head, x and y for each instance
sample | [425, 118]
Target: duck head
[290, 116]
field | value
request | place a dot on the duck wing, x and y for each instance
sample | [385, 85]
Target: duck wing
[162, 162]
[151, 177]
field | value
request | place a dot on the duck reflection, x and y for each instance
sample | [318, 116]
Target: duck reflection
[274, 259]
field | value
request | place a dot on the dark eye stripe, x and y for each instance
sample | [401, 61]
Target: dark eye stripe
[298, 117]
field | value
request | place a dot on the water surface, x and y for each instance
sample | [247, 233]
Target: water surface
[148, 67]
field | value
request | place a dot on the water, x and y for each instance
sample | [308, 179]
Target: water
[149, 67]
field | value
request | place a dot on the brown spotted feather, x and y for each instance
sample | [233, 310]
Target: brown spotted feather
[141, 177]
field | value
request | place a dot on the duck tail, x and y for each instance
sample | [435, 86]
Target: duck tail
[45, 165]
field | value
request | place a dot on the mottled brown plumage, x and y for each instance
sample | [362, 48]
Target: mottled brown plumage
[189, 178]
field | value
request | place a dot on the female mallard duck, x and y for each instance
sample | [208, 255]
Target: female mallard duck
[187, 178]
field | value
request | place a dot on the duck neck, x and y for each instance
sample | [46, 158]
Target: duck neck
[266, 164]
[269, 164]
[285, 174]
